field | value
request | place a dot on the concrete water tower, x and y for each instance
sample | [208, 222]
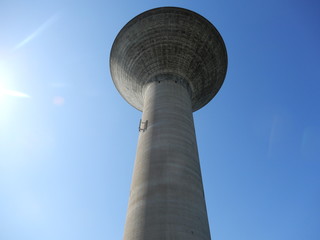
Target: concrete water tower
[167, 62]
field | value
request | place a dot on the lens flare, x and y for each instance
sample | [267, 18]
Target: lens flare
[12, 93]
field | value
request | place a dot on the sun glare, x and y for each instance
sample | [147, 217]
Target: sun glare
[12, 93]
[8, 96]
[5, 79]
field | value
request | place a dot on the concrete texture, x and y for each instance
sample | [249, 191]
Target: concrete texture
[172, 41]
[166, 197]
[167, 62]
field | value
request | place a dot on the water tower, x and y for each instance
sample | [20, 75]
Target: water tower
[167, 62]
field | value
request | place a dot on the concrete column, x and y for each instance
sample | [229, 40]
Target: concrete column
[166, 197]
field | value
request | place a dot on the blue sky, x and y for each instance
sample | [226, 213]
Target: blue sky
[68, 139]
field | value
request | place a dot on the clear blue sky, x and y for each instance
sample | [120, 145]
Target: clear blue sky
[68, 139]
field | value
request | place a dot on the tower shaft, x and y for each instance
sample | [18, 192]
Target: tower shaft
[166, 196]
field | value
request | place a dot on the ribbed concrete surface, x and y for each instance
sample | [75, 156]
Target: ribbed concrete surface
[173, 41]
[166, 198]
[167, 62]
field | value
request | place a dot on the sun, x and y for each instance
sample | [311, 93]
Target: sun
[6, 78]
[8, 95]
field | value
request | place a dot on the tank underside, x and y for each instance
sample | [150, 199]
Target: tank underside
[164, 42]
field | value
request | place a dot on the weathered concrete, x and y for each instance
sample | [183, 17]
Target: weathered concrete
[167, 62]
[166, 197]
[168, 40]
